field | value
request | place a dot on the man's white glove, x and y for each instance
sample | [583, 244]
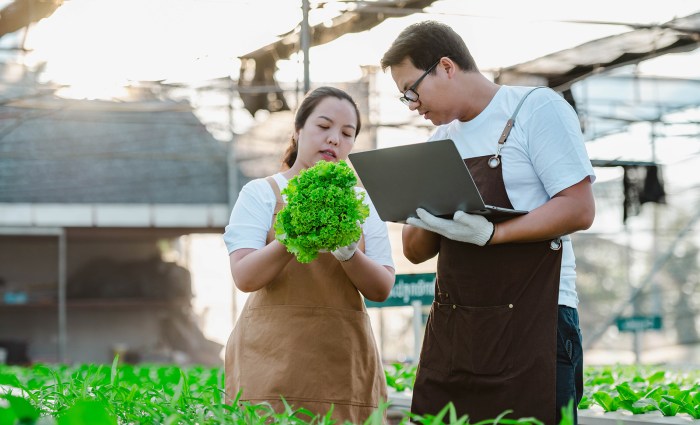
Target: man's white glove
[344, 253]
[463, 227]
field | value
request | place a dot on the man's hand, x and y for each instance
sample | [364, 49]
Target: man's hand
[463, 227]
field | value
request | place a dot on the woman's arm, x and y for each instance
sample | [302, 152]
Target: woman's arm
[373, 280]
[253, 261]
[253, 269]
[372, 271]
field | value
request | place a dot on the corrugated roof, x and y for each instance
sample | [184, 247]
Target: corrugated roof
[599, 78]
[609, 104]
[561, 69]
[81, 151]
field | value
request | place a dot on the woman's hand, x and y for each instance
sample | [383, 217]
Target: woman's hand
[344, 253]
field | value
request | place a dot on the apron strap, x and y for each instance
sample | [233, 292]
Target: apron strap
[278, 196]
[511, 122]
[275, 188]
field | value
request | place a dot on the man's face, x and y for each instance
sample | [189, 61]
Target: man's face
[418, 88]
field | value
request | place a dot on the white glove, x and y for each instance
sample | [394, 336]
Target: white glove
[344, 253]
[463, 227]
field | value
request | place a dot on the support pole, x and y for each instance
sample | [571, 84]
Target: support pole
[305, 43]
[417, 329]
[62, 321]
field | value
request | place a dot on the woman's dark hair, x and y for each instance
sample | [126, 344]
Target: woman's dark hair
[311, 100]
[424, 43]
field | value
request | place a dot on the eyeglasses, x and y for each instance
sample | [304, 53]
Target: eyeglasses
[410, 95]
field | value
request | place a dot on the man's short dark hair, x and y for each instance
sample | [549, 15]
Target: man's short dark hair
[426, 42]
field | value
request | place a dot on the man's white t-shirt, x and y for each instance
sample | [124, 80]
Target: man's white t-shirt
[251, 219]
[543, 155]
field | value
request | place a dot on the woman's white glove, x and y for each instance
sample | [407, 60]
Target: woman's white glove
[344, 253]
[469, 228]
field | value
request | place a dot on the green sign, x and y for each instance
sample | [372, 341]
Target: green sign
[639, 323]
[408, 288]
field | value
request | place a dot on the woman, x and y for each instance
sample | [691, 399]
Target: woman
[304, 333]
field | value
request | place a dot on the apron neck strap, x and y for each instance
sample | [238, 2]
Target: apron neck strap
[511, 120]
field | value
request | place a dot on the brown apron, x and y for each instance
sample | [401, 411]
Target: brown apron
[307, 337]
[490, 340]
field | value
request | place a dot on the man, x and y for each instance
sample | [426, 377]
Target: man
[503, 330]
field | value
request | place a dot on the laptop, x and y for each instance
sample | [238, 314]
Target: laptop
[430, 175]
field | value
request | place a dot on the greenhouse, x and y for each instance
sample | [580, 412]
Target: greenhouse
[185, 240]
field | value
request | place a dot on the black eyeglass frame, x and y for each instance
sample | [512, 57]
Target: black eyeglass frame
[405, 99]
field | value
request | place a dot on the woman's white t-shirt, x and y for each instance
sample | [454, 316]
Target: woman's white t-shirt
[543, 155]
[251, 219]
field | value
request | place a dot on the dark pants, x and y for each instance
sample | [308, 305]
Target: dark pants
[569, 360]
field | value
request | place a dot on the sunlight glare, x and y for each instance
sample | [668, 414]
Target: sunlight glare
[97, 45]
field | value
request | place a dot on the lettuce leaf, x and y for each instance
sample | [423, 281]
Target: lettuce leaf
[323, 211]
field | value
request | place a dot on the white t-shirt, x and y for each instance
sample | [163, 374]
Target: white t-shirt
[543, 155]
[251, 219]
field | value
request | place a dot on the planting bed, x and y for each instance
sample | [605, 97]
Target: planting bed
[633, 395]
[153, 394]
[599, 417]
[401, 404]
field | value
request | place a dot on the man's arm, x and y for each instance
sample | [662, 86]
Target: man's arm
[568, 211]
[419, 245]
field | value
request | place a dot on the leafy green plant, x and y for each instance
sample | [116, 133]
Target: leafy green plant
[586, 402]
[633, 401]
[17, 410]
[401, 376]
[567, 414]
[168, 395]
[94, 412]
[448, 415]
[606, 401]
[323, 210]
[686, 402]
[642, 389]
[145, 394]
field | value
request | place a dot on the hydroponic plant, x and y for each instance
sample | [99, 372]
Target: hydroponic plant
[323, 211]
[156, 394]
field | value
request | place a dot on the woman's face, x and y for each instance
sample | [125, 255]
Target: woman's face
[328, 134]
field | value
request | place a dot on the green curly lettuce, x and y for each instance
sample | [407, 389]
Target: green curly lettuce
[323, 211]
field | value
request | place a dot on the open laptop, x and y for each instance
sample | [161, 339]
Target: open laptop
[430, 175]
